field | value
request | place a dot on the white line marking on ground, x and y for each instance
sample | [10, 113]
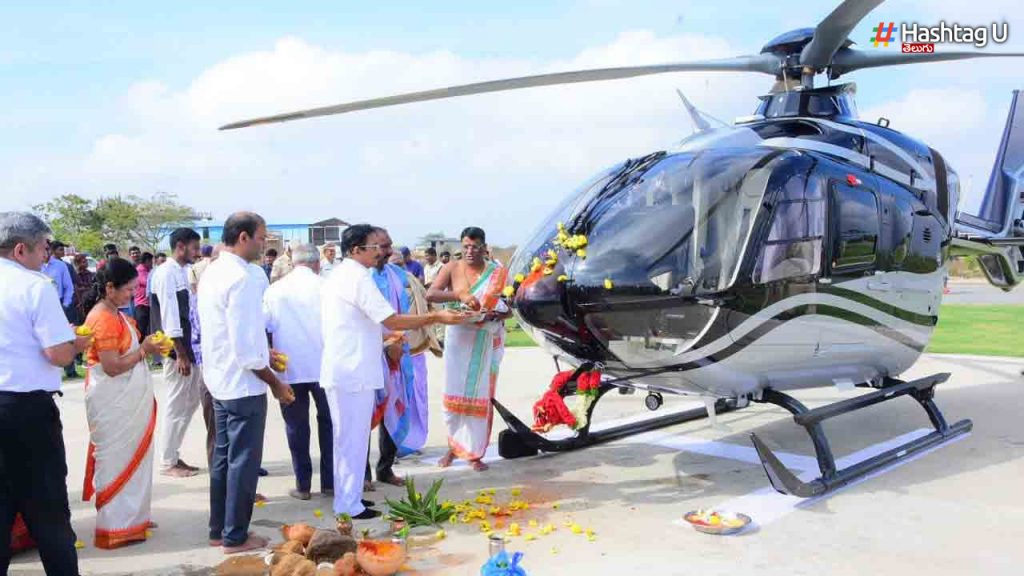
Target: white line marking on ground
[765, 505]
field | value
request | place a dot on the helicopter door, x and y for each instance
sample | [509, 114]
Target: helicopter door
[854, 232]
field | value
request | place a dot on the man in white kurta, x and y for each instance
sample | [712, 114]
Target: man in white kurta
[353, 310]
[354, 317]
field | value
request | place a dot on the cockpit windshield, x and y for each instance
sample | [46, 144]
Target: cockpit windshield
[679, 227]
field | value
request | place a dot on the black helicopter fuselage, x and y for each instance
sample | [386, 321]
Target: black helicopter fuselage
[784, 252]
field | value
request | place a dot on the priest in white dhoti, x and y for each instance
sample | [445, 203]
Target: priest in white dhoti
[473, 352]
[355, 318]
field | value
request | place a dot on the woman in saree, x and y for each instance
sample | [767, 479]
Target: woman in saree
[121, 411]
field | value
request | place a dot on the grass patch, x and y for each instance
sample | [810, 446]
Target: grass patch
[515, 337]
[983, 330]
[986, 330]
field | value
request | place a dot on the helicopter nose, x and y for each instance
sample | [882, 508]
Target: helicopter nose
[541, 303]
[592, 322]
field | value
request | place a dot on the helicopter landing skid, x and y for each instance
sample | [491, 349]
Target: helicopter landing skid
[519, 440]
[784, 481]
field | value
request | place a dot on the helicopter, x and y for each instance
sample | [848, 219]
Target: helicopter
[799, 247]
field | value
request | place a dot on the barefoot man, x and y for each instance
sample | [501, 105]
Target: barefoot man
[472, 352]
[236, 362]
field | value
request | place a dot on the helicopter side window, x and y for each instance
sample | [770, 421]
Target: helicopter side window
[856, 217]
[793, 246]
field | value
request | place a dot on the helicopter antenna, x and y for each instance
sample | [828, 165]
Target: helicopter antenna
[699, 118]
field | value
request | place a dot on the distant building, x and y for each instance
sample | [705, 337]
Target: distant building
[280, 235]
[438, 241]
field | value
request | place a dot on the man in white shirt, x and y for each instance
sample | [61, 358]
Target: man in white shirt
[292, 309]
[170, 301]
[36, 340]
[432, 268]
[355, 315]
[329, 253]
[235, 367]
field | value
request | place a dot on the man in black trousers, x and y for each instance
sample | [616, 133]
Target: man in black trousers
[36, 340]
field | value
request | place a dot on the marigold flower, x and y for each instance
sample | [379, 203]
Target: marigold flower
[530, 537]
[576, 529]
[508, 291]
[318, 513]
[516, 492]
[518, 278]
[608, 284]
[562, 278]
[581, 253]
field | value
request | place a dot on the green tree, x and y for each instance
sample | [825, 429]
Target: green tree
[74, 220]
[121, 220]
[158, 217]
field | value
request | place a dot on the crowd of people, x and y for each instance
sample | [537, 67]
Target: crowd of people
[348, 337]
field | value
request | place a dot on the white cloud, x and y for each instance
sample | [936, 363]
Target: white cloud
[499, 160]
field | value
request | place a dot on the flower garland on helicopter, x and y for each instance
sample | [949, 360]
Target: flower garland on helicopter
[551, 410]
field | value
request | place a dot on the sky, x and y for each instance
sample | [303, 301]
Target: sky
[108, 98]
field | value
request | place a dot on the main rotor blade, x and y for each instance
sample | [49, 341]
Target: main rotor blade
[832, 32]
[849, 60]
[764, 63]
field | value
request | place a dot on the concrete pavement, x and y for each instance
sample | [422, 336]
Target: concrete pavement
[957, 510]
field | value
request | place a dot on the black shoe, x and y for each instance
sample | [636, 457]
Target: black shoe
[263, 472]
[367, 514]
[366, 503]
